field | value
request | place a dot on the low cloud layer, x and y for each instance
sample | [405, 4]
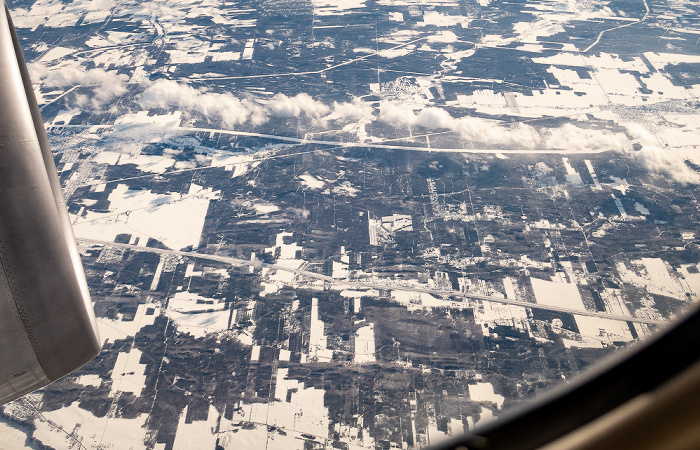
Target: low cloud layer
[106, 84]
[490, 133]
[37, 71]
[667, 163]
[225, 107]
[232, 110]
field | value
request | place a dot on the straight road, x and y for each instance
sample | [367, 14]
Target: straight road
[490, 151]
[377, 285]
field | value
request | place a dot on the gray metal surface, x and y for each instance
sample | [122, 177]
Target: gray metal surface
[47, 325]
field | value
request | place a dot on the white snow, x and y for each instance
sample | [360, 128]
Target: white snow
[490, 314]
[287, 251]
[128, 374]
[415, 300]
[265, 208]
[340, 270]
[483, 392]
[455, 428]
[345, 188]
[436, 18]
[285, 355]
[296, 410]
[357, 294]
[691, 279]
[198, 434]
[89, 380]
[232, 437]
[157, 274]
[12, 438]
[141, 127]
[390, 53]
[336, 7]
[56, 53]
[661, 60]
[572, 176]
[106, 157]
[597, 331]
[149, 163]
[65, 116]
[91, 431]
[197, 319]
[317, 337]
[509, 286]
[556, 293]
[110, 330]
[641, 209]
[653, 274]
[364, 345]
[279, 274]
[176, 220]
[255, 353]
[185, 302]
[311, 182]
[486, 415]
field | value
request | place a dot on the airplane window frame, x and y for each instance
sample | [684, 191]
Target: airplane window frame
[610, 383]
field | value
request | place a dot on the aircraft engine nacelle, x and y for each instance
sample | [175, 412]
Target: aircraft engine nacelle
[47, 324]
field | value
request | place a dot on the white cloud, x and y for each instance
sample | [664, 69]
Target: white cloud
[354, 110]
[491, 133]
[107, 85]
[225, 107]
[475, 129]
[37, 71]
[433, 118]
[301, 104]
[395, 115]
[665, 162]
[232, 110]
[569, 136]
[181, 165]
[639, 133]
[668, 163]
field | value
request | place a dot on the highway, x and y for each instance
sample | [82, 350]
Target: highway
[353, 144]
[398, 147]
[376, 285]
